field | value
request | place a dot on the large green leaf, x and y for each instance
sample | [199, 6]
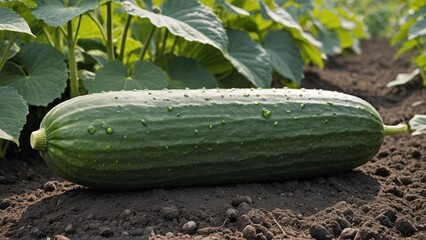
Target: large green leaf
[188, 19]
[13, 112]
[231, 8]
[418, 29]
[38, 72]
[418, 124]
[57, 13]
[186, 72]
[114, 76]
[11, 21]
[285, 56]
[209, 57]
[249, 58]
[309, 46]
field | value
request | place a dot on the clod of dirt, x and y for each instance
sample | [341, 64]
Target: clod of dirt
[343, 222]
[405, 227]
[126, 214]
[348, 233]
[69, 229]
[232, 214]
[50, 186]
[319, 232]
[36, 233]
[189, 227]
[384, 220]
[382, 171]
[395, 191]
[366, 233]
[5, 203]
[337, 230]
[61, 237]
[105, 232]
[249, 232]
[236, 201]
[169, 212]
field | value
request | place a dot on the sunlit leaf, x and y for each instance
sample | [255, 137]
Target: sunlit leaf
[231, 8]
[186, 72]
[418, 29]
[188, 19]
[285, 56]
[38, 72]
[403, 78]
[249, 58]
[11, 21]
[57, 13]
[114, 76]
[13, 112]
[418, 124]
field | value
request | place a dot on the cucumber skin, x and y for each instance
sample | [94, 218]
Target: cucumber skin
[174, 138]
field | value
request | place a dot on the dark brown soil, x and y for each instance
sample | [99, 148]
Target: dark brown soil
[384, 199]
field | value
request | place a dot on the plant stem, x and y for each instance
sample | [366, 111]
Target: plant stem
[109, 45]
[48, 36]
[397, 129]
[174, 44]
[72, 63]
[100, 27]
[77, 30]
[147, 42]
[4, 145]
[163, 45]
[123, 40]
[7, 50]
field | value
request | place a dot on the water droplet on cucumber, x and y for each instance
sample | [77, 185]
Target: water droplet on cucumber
[109, 130]
[91, 130]
[266, 113]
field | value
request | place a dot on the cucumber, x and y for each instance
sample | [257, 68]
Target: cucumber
[172, 138]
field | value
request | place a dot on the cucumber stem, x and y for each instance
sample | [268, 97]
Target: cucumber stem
[38, 139]
[397, 129]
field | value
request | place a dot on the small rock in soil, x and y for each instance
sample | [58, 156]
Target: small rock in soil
[365, 232]
[61, 237]
[105, 232]
[384, 220]
[382, 171]
[126, 214]
[90, 216]
[395, 191]
[35, 232]
[69, 229]
[343, 222]
[391, 214]
[169, 212]
[236, 201]
[50, 186]
[5, 203]
[405, 227]
[232, 214]
[406, 180]
[249, 232]
[189, 227]
[348, 233]
[319, 232]
[337, 230]
[410, 197]
[148, 230]
[244, 207]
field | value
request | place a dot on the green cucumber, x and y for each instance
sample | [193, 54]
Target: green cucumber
[169, 138]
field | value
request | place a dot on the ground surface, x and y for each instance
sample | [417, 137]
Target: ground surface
[384, 199]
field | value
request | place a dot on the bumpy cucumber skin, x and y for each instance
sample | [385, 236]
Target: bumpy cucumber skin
[170, 138]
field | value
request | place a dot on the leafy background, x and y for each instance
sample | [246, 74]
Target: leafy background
[60, 49]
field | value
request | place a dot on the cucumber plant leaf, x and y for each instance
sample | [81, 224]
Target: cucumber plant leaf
[188, 19]
[11, 21]
[114, 76]
[38, 72]
[418, 29]
[186, 72]
[403, 78]
[285, 56]
[13, 50]
[418, 124]
[249, 58]
[57, 13]
[13, 112]
[231, 8]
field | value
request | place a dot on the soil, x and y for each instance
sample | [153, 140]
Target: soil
[383, 199]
